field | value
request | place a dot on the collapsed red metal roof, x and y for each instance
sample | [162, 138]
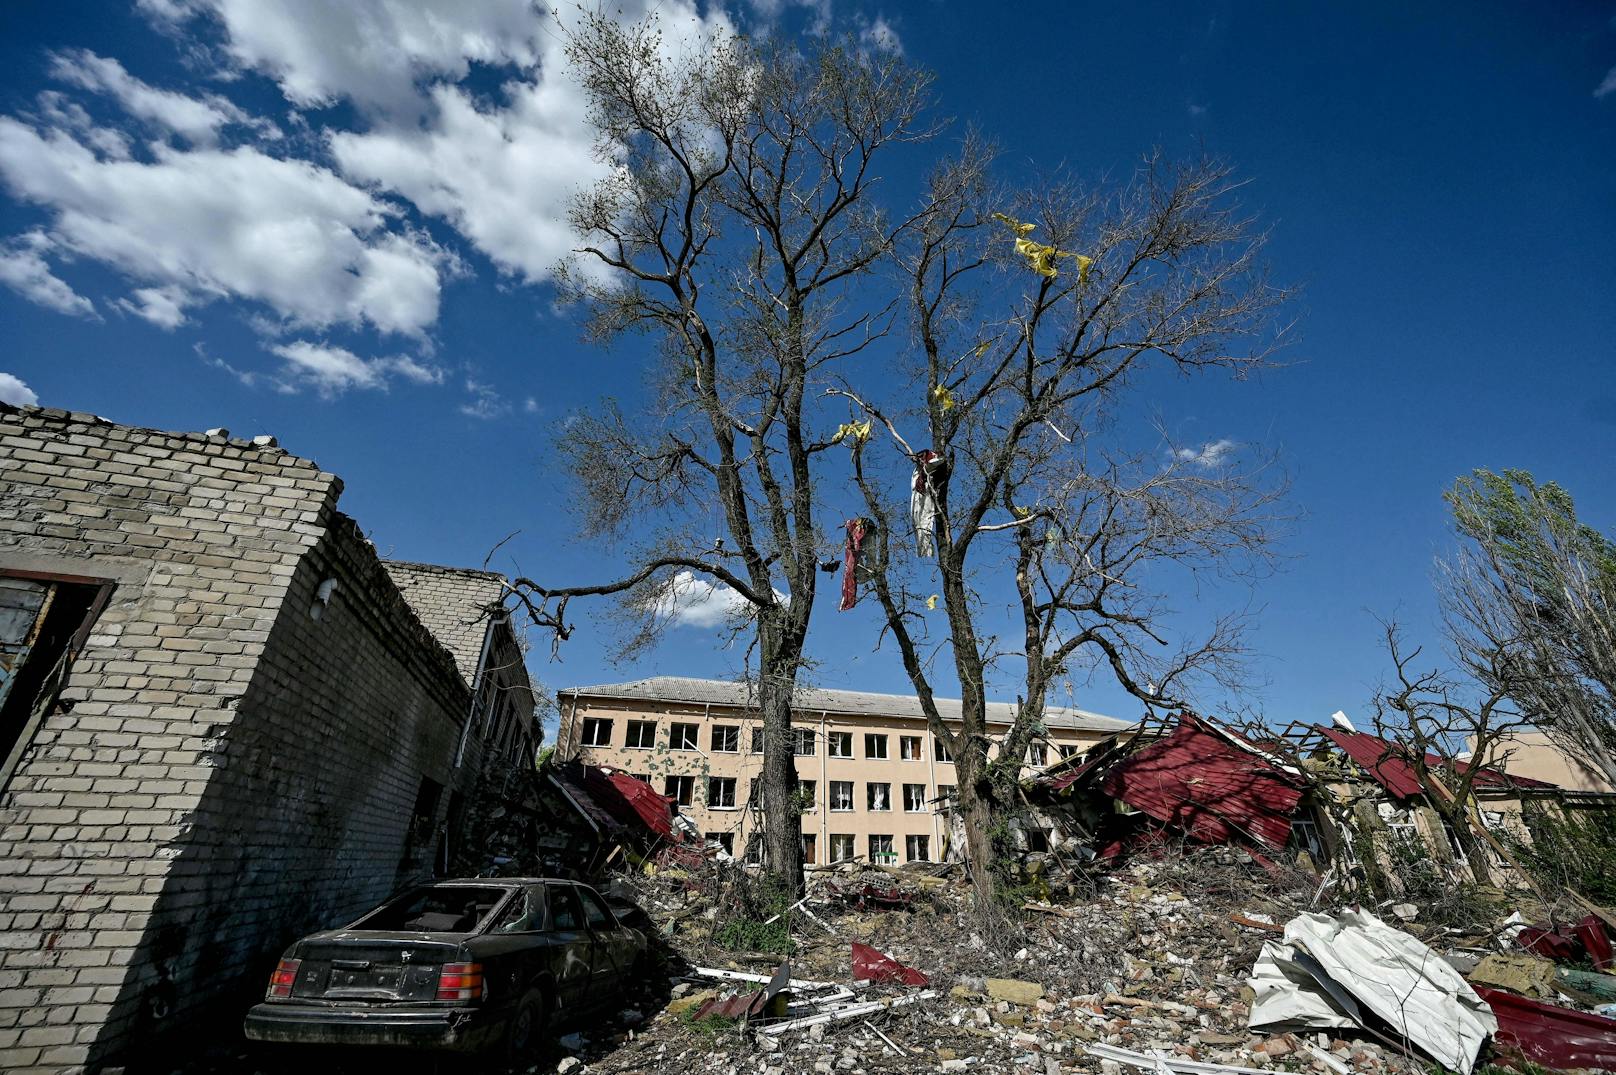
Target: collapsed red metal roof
[1551, 1035]
[1210, 783]
[618, 798]
[1387, 764]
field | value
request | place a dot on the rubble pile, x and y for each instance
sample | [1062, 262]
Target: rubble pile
[1154, 961]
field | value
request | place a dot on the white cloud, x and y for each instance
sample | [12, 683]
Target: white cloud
[23, 269]
[1209, 455]
[1608, 86]
[162, 306]
[881, 37]
[501, 174]
[332, 370]
[14, 392]
[196, 119]
[209, 224]
[372, 52]
[687, 600]
[530, 405]
[485, 403]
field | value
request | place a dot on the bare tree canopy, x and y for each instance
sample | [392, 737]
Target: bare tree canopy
[733, 234]
[1530, 604]
[1031, 317]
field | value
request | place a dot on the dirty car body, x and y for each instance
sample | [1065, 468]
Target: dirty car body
[461, 965]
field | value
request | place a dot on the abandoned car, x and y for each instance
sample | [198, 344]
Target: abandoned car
[464, 965]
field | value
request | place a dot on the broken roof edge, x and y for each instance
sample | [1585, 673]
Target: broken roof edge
[740, 695]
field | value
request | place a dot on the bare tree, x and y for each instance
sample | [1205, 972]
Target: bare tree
[1429, 718]
[738, 223]
[1031, 319]
[1538, 588]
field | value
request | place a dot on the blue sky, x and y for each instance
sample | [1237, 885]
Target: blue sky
[335, 226]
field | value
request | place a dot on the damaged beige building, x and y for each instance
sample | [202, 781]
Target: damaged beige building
[871, 771]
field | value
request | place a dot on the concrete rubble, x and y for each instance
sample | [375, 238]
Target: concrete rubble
[1150, 969]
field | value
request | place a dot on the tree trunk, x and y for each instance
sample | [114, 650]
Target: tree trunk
[782, 828]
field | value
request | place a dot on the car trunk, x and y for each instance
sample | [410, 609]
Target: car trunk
[356, 965]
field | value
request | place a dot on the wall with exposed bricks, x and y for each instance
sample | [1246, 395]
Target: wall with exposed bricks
[232, 761]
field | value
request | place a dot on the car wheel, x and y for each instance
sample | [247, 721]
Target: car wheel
[526, 1027]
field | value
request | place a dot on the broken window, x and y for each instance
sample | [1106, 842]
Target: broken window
[940, 750]
[909, 747]
[810, 849]
[946, 791]
[914, 798]
[726, 840]
[808, 792]
[878, 796]
[642, 734]
[802, 742]
[682, 737]
[721, 792]
[753, 790]
[1068, 750]
[841, 795]
[565, 914]
[597, 732]
[881, 850]
[726, 738]
[418, 836]
[681, 789]
[1037, 754]
[875, 747]
[917, 848]
[841, 847]
[754, 849]
[757, 740]
[644, 778]
[44, 622]
[839, 744]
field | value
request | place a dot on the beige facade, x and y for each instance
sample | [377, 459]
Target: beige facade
[1535, 756]
[871, 769]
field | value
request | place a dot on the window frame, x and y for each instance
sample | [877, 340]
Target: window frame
[799, 736]
[687, 798]
[847, 840]
[886, 796]
[756, 746]
[940, 752]
[675, 734]
[836, 742]
[721, 782]
[872, 738]
[909, 844]
[830, 799]
[887, 854]
[731, 733]
[904, 742]
[920, 806]
[595, 723]
[639, 726]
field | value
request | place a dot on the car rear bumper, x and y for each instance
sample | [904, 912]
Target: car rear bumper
[453, 1029]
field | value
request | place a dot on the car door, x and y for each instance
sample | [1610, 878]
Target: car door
[512, 949]
[614, 949]
[572, 953]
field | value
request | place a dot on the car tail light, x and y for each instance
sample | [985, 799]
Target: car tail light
[280, 983]
[460, 981]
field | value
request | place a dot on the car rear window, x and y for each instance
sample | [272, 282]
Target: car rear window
[435, 909]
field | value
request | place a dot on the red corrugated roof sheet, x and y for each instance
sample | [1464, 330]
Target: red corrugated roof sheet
[1385, 763]
[1551, 1035]
[625, 800]
[1214, 788]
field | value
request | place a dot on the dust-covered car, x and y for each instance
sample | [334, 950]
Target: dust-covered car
[464, 965]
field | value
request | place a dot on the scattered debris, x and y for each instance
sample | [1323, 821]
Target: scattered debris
[1346, 970]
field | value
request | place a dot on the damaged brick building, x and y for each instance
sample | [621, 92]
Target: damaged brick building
[224, 721]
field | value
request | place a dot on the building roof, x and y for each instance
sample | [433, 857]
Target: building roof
[1388, 766]
[811, 699]
[453, 603]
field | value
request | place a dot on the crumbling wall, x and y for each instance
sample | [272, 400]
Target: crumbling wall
[197, 537]
[309, 817]
[239, 749]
